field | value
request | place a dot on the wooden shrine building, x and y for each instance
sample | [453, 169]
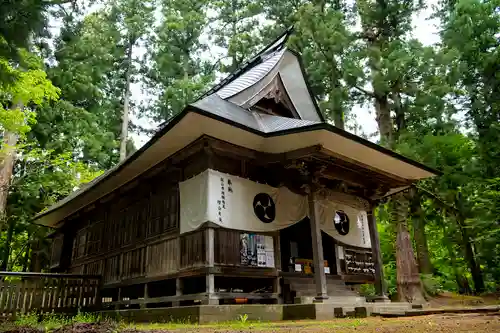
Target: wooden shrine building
[248, 195]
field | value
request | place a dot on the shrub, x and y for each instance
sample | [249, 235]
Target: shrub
[431, 284]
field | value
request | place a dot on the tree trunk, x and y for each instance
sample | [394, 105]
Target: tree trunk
[126, 102]
[409, 285]
[462, 282]
[26, 258]
[475, 269]
[7, 160]
[7, 247]
[338, 118]
[424, 262]
[384, 120]
[380, 99]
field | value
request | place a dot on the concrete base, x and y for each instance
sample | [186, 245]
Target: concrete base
[200, 314]
[203, 314]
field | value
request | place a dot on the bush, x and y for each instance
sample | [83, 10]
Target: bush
[367, 290]
[431, 284]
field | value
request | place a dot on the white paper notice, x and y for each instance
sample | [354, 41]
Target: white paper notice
[261, 260]
[340, 249]
[269, 259]
[298, 268]
[327, 270]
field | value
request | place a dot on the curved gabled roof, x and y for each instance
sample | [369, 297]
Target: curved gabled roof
[251, 76]
[270, 134]
[255, 120]
[220, 114]
[254, 76]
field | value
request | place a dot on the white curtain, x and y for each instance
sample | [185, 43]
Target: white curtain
[229, 201]
[358, 234]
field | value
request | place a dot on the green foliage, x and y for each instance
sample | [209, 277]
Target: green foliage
[431, 284]
[52, 321]
[177, 74]
[367, 290]
[243, 318]
[31, 87]
[64, 100]
[86, 317]
[234, 31]
[27, 320]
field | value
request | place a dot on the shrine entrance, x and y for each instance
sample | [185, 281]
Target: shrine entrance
[297, 252]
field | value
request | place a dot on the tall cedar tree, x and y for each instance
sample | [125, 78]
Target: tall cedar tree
[233, 30]
[177, 73]
[132, 19]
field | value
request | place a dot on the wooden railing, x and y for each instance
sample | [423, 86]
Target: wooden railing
[43, 292]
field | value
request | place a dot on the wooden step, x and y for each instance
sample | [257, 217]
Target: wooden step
[304, 287]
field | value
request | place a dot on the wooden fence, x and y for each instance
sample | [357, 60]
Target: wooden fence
[43, 292]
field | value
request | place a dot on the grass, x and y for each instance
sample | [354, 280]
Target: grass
[52, 321]
[435, 323]
[424, 324]
[243, 323]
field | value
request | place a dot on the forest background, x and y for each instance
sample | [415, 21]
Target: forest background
[82, 83]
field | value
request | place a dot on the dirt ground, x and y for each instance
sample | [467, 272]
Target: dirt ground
[451, 323]
[470, 323]
[450, 300]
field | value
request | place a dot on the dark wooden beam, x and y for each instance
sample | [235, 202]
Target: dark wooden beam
[229, 149]
[261, 158]
[358, 278]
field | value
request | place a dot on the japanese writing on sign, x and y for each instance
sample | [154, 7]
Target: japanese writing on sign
[225, 188]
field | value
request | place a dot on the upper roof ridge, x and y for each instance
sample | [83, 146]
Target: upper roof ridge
[272, 47]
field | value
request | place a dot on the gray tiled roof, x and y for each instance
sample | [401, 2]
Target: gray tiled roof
[251, 76]
[254, 120]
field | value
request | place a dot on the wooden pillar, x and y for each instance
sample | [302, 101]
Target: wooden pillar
[210, 279]
[146, 296]
[210, 290]
[380, 285]
[277, 265]
[338, 265]
[178, 291]
[118, 298]
[317, 244]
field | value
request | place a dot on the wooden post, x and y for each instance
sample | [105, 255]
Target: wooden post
[337, 260]
[278, 266]
[317, 244]
[178, 291]
[210, 290]
[98, 296]
[118, 299]
[143, 305]
[210, 279]
[277, 289]
[210, 238]
[380, 286]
